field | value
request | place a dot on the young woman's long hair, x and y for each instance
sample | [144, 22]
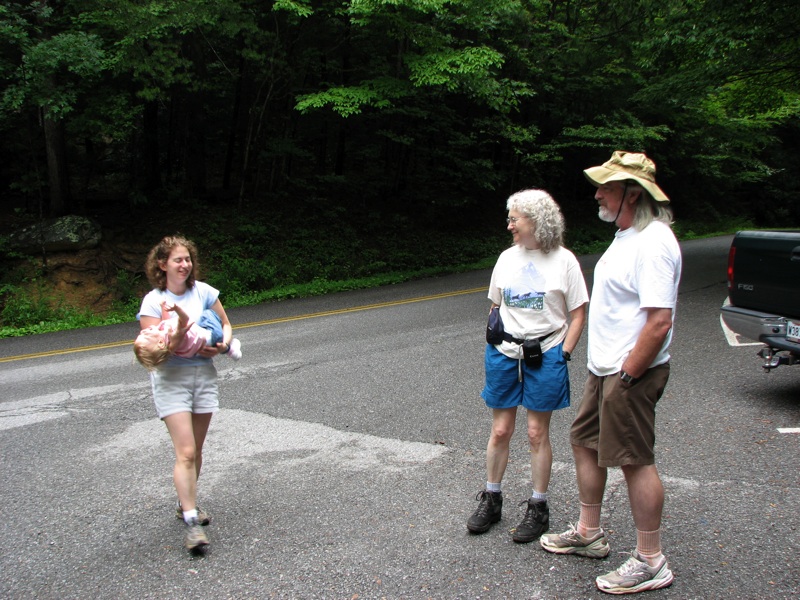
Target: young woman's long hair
[159, 254]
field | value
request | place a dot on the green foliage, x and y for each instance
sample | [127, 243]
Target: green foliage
[691, 230]
[240, 273]
[25, 315]
[30, 307]
[8, 256]
[300, 8]
[23, 307]
[308, 269]
[20, 311]
[54, 70]
[622, 132]
[391, 118]
[453, 67]
[351, 100]
[127, 290]
[485, 95]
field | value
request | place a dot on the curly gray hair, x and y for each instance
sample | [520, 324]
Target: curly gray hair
[540, 208]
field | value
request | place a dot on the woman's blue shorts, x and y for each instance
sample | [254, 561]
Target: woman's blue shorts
[543, 389]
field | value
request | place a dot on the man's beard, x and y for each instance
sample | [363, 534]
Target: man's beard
[606, 215]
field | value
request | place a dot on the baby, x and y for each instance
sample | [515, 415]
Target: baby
[152, 346]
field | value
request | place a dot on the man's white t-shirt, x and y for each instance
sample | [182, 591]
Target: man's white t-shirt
[536, 292]
[640, 270]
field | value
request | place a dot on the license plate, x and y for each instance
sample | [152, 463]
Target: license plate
[793, 331]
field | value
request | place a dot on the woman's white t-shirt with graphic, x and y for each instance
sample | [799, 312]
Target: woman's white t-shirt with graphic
[536, 292]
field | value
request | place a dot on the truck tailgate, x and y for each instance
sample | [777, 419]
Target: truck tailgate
[764, 272]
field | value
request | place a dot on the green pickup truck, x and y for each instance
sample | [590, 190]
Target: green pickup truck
[763, 301]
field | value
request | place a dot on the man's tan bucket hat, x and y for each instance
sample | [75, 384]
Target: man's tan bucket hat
[628, 165]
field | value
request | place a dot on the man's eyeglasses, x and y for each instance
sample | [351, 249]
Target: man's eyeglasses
[513, 219]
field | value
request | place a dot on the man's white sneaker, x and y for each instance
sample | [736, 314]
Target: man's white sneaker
[636, 575]
[572, 542]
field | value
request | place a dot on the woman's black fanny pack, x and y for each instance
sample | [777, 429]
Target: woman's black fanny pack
[531, 348]
[495, 333]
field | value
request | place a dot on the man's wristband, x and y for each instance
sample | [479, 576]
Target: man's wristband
[567, 356]
[626, 378]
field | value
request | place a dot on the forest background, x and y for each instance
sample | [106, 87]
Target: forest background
[309, 146]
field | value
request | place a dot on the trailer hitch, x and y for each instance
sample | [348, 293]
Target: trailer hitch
[772, 358]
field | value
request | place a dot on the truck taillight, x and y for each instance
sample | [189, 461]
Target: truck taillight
[731, 255]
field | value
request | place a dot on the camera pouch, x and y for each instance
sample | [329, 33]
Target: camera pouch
[532, 353]
[494, 328]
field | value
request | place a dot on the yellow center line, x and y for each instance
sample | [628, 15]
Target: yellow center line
[339, 311]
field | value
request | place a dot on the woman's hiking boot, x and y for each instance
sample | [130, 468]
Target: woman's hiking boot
[535, 522]
[488, 512]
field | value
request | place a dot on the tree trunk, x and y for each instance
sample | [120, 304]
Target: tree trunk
[194, 127]
[234, 126]
[152, 153]
[57, 169]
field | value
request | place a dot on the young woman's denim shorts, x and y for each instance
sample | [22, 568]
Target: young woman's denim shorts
[542, 389]
[185, 389]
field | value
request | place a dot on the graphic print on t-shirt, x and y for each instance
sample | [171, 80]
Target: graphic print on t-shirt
[528, 289]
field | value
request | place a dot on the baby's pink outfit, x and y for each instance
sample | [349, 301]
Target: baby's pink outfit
[195, 338]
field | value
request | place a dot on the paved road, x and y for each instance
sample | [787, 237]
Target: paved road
[349, 451]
